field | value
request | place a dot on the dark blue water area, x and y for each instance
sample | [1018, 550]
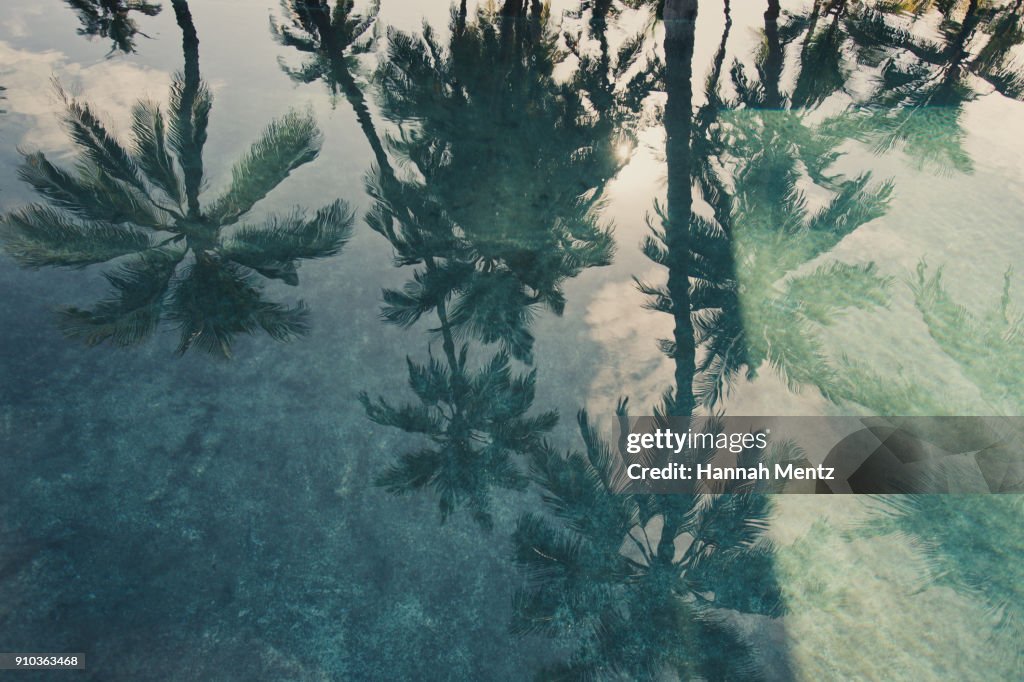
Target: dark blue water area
[155, 503]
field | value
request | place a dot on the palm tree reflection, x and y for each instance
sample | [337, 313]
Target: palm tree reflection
[647, 586]
[476, 421]
[514, 157]
[642, 586]
[333, 39]
[752, 159]
[988, 345]
[178, 260]
[488, 255]
[984, 344]
[113, 19]
[923, 83]
[970, 543]
[475, 418]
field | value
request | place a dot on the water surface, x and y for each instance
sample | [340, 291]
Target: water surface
[301, 410]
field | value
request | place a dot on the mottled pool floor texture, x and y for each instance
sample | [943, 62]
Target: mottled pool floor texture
[314, 316]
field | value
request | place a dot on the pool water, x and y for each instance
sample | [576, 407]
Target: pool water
[311, 316]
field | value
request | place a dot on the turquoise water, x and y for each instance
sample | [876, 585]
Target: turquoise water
[287, 391]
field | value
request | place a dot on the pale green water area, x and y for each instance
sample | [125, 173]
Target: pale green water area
[301, 302]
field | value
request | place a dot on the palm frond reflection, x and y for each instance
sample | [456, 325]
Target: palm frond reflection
[179, 259]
